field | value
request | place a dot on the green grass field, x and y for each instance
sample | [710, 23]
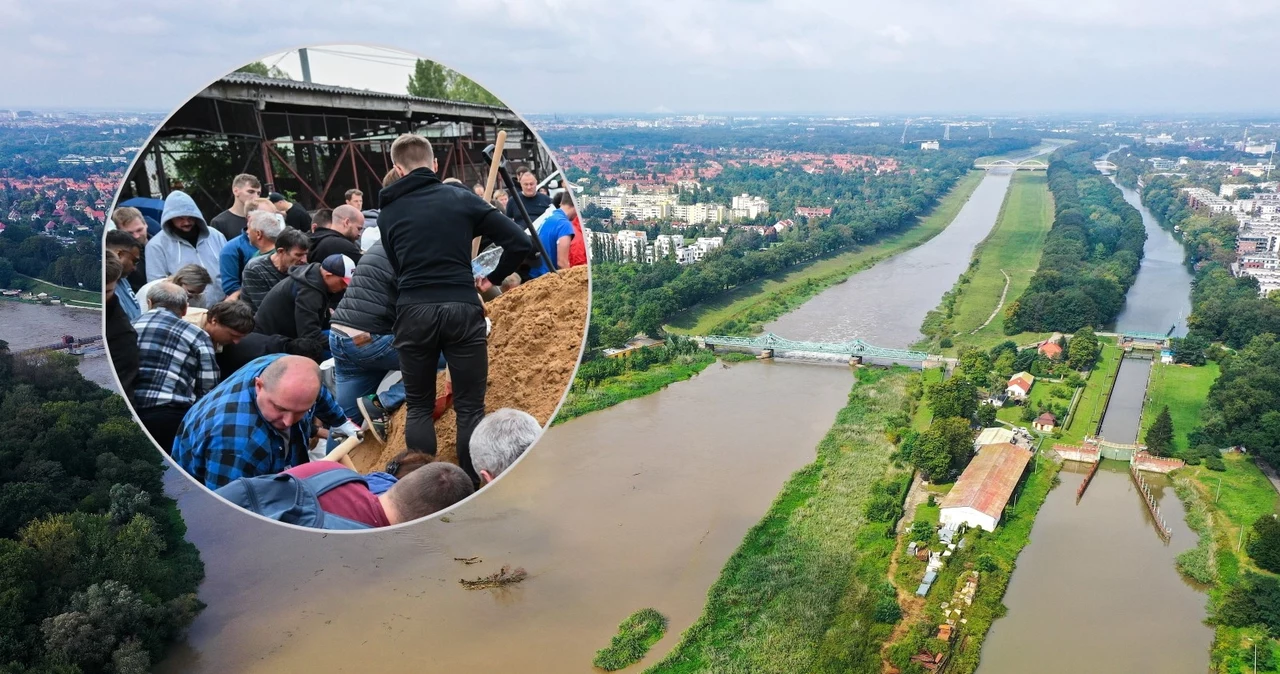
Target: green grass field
[1014, 246]
[773, 296]
[800, 592]
[1184, 389]
[924, 415]
[1041, 394]
[1093, 400]
[37, 286]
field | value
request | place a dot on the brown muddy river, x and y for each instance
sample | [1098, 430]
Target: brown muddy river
[1096, 590]
[636, 506]
[25, 326]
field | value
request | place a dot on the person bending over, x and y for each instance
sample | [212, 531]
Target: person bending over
[339, 237]
[177, 364]
[257, 421]
[427, 229]
[192, 278]
[263, 272]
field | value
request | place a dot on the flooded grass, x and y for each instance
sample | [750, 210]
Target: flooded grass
[636, 635]
[799, 594]
[761, 301]
[634, 384]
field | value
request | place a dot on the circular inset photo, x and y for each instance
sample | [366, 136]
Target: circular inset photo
[345, 287]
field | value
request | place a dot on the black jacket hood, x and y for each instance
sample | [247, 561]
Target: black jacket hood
[417, 179]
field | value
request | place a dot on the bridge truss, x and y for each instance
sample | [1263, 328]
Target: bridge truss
[1024, 165]
[855, 347]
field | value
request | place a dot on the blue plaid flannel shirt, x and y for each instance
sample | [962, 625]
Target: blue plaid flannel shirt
[224, 437]
[177, 362]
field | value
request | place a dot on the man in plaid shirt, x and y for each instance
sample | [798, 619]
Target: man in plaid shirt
[177, 364]
[257, 422]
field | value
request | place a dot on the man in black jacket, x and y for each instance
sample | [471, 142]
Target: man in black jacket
[339, 237]
[300, 305]
[122, 340]
[427, 229]
[294, 214]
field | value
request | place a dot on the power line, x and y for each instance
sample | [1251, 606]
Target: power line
[363, 57]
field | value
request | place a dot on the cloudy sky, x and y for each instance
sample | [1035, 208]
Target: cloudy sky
[910, 56]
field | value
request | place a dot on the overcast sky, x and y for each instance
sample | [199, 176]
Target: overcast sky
[911, 56]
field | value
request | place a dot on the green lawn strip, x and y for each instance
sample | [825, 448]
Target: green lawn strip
[1097, 391]
[634, 384]
[1014, 246]
[761, 301]
[1184, 389]
[1234, 499]
[800, 592]
[36, 286]
[924, 415]
[636, 635]
[998, 552]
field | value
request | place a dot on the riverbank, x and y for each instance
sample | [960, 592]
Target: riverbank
[992, 555]
[761, 301]
[801, 591]
[37, 286]
[972, 313]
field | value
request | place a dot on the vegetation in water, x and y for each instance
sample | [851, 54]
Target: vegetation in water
[605, 382]
[636, 635]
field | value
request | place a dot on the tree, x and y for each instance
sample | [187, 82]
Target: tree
[1159, 437]
[1264, 546]
[1082, 350]
[944, 448]
[1190, 349]
[260, 68]
[955, 397]
[432, 80]
[987, 414]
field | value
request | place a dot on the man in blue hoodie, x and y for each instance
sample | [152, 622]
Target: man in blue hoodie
[185, 238]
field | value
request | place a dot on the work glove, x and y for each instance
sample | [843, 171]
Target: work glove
[346, 430]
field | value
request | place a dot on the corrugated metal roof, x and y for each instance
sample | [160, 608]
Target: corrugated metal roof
[258, 80]
[988, 481]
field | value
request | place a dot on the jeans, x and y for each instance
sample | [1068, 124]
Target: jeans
[422, 333]
[359, 370]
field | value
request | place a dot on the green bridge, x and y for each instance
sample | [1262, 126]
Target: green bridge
[1148, 336]
[854, 348]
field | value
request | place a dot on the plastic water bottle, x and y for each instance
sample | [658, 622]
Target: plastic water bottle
[486, 262]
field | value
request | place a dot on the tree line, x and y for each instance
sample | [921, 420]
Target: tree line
[1091, 253]
[95, 573]
[24, 251]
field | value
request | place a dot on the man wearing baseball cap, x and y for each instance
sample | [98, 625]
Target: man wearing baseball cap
[294, 214]
[300, 305]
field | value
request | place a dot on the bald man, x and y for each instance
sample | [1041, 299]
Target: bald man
[339, 236]
[257, 422]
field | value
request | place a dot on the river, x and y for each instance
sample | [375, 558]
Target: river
[1096, 590]
[26, 326]
[635, 506]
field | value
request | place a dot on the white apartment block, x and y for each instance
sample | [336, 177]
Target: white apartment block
[1198, 197]
[746, 206]
[697, 214]
[1268, 280]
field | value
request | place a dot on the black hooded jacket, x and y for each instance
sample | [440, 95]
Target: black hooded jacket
[296, 307]
[427, 228]
[326, 242]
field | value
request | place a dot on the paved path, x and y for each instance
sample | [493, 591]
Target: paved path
[1269, 472]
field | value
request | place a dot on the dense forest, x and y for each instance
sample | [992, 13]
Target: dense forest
[1091, 254]
[24, 251]
[1244, 403]
[633, 298]
[95, 574]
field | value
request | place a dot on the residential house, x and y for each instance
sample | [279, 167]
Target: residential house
[1045, 422]
[1051, 349]
[1019, 386]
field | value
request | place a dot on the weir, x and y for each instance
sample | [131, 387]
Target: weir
[857, 351]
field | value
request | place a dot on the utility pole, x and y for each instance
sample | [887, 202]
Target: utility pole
[306, 65]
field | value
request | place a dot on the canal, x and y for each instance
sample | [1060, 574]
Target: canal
[1096, 590]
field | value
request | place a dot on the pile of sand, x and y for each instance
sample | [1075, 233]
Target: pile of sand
[537, 335]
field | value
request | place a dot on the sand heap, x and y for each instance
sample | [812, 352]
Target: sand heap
[537, 335]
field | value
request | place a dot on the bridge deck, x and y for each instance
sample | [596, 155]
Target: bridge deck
[855, 347]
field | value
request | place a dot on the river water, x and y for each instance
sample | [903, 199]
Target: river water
[26, 326]
[1096, 590]
[635, 506]
[1161, 295]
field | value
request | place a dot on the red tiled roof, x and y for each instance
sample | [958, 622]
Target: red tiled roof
[1047, 418]
[988, 482]
[1051, 349]
[1022, 381]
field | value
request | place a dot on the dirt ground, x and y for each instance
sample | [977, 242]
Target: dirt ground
[537, 335]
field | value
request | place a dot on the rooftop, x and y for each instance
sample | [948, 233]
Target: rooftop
[988, 482]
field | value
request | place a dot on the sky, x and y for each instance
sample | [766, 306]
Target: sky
[1155, 57]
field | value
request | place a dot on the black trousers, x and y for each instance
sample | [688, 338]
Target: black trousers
[163, 421]
[422, 333]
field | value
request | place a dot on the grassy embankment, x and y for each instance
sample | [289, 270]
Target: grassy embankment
[635, 384]
[764, 300]
[923, 415]
[69, 295]
[800, 593]
[1013, 247]
[1184, 389]
[993, 555]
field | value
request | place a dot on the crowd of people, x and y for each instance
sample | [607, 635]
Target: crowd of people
[223, 347]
